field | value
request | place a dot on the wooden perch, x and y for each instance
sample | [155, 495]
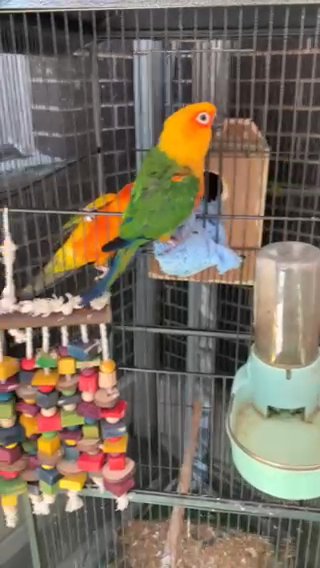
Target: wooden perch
[176, 521]
[87, 316]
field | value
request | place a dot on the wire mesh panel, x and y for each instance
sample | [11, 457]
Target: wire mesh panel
[84, 95]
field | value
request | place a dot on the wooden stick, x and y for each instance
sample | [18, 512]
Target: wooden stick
[87, 316]
[176, 520]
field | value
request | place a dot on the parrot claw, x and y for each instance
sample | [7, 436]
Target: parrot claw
[103, 271]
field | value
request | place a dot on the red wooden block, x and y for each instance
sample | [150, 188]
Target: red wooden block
[9, 474]
[49, 423]
[117, 412]
[33, 462]
[91, 463]
[88, 381]
[120, 488]
[45, 389]
[28, 364]
[117, 462]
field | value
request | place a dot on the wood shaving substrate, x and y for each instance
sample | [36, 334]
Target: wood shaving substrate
[201, 547]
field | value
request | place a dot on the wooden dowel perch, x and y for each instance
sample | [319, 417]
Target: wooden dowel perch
[171, 551]
[86, 316]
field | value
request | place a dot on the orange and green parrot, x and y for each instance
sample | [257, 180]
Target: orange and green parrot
[84, 244]
[170, 184]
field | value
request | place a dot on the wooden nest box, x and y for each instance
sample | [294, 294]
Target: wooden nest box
[240, 157]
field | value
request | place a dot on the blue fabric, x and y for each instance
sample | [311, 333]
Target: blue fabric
[199, 247]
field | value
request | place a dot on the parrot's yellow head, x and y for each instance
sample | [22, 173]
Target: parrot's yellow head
[186, 135]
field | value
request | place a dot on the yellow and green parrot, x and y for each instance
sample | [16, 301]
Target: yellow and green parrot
[169, 186]
[83, 245]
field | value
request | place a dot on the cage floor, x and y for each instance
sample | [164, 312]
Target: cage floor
[201, 546]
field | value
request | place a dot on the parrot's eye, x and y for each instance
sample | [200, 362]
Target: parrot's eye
[203, 118]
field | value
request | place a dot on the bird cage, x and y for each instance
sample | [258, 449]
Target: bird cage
[83, 98]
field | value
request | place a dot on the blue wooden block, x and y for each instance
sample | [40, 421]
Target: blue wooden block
[112, 430]
[73, 399]
[12, 435]
[84, 351]
[47, 400]
[25, 377]
[50, 476]
[71, 453]
[6, 396]
[90, 421]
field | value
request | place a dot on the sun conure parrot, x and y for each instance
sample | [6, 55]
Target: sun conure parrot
[169, 185]
[84, 244]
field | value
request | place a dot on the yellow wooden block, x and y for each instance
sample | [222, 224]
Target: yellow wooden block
[70, 442]
[29, 424]
[8, 367]
[49, 446]
[67, 366]
[116, 445]
[9, 500]
[73, 482]
[43, 379]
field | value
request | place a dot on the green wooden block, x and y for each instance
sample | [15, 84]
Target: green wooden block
[48, 489]
[90, 431]
[45, 361]
[12, 486]
[30, 447]
[7, 409]
[71, 418]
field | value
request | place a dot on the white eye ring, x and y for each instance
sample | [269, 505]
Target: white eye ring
[203, 118]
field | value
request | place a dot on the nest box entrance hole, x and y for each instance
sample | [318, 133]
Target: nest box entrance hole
[213, 186]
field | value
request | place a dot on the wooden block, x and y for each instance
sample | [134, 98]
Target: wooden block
[25, 377]
[50, 475]
[27, 409]
[7, 409]
[8, 422]
[112, 430]
[67, 467]
[71, 419]
[12, 487]
[18, 465]
[91, 463]
[67, 366]
[114, 476]
[120, 488]
[90, 431]
[9, 501]
[13, 434]
[43, 379]
[84, 351]
[30, 447]
[10, 455]
[45, 389]
[75, 482]
[115, 414]
[105, 399]
[47, 400]
[49, 446]
[88, 410]
[9, 474]
[70, 453]
[88, 380]
[28, 364]
[117, 462]
[49, 489]
[30, 475]
[116, 445]
[68, 383]
[9, 385]
[6, 396]
[27, 393]
[51, 461]
[9, 366]
[89, 446]
[49, 423]
[108, 375]
[67, 400]
[46, 361]
[75, 434]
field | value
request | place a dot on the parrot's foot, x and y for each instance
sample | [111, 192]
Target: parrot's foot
[103, 271]
[173, 242]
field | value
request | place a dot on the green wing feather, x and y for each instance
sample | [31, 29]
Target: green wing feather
[159, 205]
